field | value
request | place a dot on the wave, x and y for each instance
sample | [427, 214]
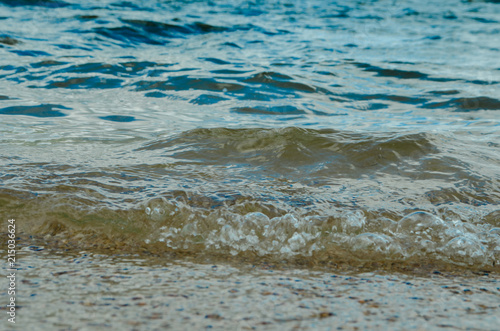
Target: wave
[38, 3]
[223, 83]
[137, 32]
[297, 132]
[201, 226]
[45, 110]
[467, 104]
[331, 196]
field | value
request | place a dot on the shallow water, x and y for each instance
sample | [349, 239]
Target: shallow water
[335, 132]
[87, 291]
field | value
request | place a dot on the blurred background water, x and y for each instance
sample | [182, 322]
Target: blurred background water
[333, 130]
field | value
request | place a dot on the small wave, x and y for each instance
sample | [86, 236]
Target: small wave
[86, 17]
[33, 53]
[85, 83]
[216, 61]
[202, 226]
[47, 63]
[399, 99]
[314, 155]
[45, 110]
[137, 32]
[401, 74]
[6, 40]
[128, 36]
[184, 83]
[207, 99]
[118, 118]
[467, 104]
[276, 110]
[131, 68]
[278, 80]
[160, 29]
[40, 3]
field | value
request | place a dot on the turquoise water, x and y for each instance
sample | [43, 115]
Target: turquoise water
[349, 131]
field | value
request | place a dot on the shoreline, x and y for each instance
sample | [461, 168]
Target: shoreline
[68, 244]
[73, 291]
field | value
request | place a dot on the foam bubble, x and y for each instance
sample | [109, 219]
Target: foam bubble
[421, 223]
[353, 221]
[465, 250]
[421, 232]
[228, 231]
[367, 244]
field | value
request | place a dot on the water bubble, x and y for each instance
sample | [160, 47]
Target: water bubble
[228, 234]
[465, 250]
[157, 214]
[353, 220]
[296, 242]
[382, 224]
[422, 225]
[255, 220]
[367, 244]
[189, 229]
[282, 227]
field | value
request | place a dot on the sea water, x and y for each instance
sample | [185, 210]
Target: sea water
[328, 131]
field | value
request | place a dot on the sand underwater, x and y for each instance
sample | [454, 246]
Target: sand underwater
[70, 290]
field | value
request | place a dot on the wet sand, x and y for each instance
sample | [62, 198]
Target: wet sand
[96, 292]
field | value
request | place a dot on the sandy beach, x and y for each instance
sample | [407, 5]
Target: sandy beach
[85, 291]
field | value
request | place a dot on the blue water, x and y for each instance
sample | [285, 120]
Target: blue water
[349, 131]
